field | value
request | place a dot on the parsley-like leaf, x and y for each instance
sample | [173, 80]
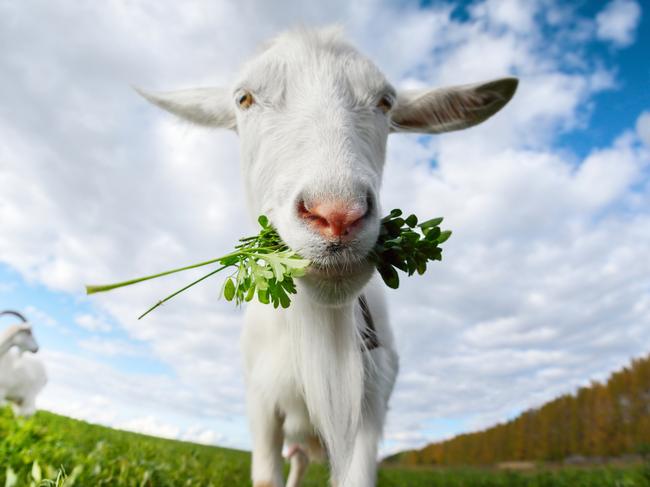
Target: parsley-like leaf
[264, 265]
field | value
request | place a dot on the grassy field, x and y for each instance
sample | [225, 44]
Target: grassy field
[37, 451]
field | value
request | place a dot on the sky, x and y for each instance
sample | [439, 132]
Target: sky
[545, 283]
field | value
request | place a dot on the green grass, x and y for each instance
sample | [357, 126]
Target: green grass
[52, 450]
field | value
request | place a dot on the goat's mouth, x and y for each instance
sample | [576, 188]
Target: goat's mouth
[334, 282]
[338, 271]
[338, 262]
[332, 271]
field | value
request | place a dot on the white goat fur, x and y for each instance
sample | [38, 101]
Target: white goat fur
[22, 375]
[315, 131]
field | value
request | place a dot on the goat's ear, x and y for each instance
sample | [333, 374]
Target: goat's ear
[212, 107]
[453, 108]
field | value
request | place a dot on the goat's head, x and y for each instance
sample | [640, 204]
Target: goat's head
[23, 339]
[313, 116]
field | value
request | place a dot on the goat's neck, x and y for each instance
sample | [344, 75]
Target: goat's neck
[314, 321]
[302, 302]
[328, 365]
[7, 337]
[5, 345]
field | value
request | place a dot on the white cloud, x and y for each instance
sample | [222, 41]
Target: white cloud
[543, 285]
[152, 403]
[111, 348]
[643, 128]
[149, 425]
[507, 14]
[6, 287]
[199, 434]
[544, 269]
[92, 323]
[38, 317]
[606, 174]
[618, 21]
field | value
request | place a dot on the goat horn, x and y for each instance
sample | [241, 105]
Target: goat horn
[15, 313]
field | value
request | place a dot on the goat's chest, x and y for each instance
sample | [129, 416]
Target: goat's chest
[7, 369]
[286, 352]
[291, 405]
[272, 374]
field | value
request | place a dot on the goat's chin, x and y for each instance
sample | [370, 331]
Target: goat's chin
[333, 287]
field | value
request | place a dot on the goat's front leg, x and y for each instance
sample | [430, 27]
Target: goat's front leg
[362, 471]
[266, 429]
[27, 406]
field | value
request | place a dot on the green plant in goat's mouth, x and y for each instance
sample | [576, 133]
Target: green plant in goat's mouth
[406, 245]
[265, 266]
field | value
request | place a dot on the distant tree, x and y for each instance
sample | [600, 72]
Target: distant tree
[601, 420]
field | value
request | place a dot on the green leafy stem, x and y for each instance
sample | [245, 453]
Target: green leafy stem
[265, 266]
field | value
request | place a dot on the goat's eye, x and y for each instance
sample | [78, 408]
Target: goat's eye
[246, 100]
[385, 103]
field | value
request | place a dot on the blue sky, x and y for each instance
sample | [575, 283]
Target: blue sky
[57, 315]
[616, 109]
[535, 296]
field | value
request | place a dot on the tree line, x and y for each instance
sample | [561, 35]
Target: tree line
[602, 420]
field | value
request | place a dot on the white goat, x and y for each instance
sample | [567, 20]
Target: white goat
[22, 376]
[313, 116]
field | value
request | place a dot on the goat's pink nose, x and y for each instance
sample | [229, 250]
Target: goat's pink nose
[333, 219]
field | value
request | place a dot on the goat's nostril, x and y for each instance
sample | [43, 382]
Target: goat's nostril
[369, 203]
[333, 219]
[303, 212]
[307, 214]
